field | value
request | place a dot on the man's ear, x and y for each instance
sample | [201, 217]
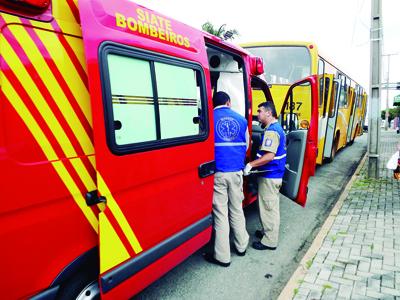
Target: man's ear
[229, 103]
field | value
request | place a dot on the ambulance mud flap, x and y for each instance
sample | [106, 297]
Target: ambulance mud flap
[135, 265]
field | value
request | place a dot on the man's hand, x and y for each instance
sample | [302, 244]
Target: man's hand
[247, 169]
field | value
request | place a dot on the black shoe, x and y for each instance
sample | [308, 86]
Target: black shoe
[238, 253]
[261, 246]
[259, 234]
[210, 258]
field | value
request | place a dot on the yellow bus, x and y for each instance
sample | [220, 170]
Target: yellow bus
[342, 100]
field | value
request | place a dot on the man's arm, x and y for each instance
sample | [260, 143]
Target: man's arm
[266, 158]
[269, 146]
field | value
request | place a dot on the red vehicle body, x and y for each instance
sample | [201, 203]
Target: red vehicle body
[106, 144]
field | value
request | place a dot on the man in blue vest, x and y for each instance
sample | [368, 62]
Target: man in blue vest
[271, 167]
[231, 143]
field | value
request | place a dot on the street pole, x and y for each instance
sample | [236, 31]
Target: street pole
[387, 89]
[375, 89]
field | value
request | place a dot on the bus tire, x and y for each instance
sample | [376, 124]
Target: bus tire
[334, 150]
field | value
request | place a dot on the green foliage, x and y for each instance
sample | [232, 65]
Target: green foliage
[309, 263]
[221, 32]
[393, 112]
[325, 287]
[295, 291]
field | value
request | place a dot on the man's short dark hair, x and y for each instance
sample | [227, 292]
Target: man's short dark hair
[220, 98]
[270, 106]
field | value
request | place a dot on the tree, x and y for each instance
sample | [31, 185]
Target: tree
[393, 112]
[221, 32]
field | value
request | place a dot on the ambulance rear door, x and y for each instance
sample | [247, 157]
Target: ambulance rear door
[154, 146]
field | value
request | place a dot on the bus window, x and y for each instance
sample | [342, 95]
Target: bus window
[163, 95]
[321, 71]
[343, 97]
[332, 105]
[226, 71]
[326, 93]
[284, 64]
[321, 91]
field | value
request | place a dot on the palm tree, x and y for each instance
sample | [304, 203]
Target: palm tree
[221, 32]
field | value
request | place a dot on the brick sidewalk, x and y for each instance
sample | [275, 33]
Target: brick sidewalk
[359, 253]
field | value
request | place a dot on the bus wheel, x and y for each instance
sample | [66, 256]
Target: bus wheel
[334, 150]
[80, 287]
[335, 146]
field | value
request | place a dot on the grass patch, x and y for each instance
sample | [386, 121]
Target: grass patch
[325, 287]
[309, 263]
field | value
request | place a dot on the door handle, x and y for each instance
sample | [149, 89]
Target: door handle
[93, 198]
[207, 169]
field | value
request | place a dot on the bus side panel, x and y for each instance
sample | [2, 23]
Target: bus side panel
[46, 167]
[341, 126]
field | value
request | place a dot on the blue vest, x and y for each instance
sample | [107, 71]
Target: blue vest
[230, 140]
[275, 168]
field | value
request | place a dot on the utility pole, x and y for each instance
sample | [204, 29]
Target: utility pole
[375, 90]
[387, 89]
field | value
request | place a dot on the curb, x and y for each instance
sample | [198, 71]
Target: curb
[301, 271]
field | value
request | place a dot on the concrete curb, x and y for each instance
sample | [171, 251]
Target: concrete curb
[301, 271]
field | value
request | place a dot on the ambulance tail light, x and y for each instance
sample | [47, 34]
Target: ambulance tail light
[26, 6]
[257, 66]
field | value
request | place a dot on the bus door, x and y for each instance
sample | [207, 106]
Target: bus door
[154, 146]
[353, 100]
[356, 116]
[301, 139]
[325, 85]
[330, 146]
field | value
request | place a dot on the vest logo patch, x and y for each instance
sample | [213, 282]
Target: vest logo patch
[268, 143]
[228, 129]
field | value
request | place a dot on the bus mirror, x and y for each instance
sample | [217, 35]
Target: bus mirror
[257, 65]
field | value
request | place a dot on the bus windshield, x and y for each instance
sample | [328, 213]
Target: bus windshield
[284, 64]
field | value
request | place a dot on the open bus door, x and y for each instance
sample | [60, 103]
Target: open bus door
[325, 106]
[331, 142]
[154, 146]
[301, 140]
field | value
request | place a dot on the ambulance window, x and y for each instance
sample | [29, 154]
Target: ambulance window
[152, 101]
[132, 100]
[178, 97]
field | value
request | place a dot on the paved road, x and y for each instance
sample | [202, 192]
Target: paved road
[262, 274]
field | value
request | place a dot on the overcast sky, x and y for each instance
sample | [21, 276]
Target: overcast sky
[339, 28]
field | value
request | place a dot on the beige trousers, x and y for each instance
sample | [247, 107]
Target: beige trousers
[268, 203]
[227, 210]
